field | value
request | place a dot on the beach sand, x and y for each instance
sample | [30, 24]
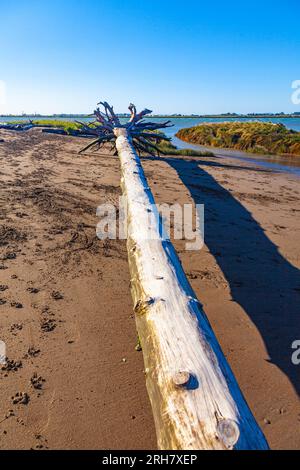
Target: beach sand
[75, 380]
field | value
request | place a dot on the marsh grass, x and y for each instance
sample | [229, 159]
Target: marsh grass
[255, 137]
[170, 149]
[67, 126]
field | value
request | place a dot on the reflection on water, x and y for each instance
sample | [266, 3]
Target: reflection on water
[273, 162]
[289, 164]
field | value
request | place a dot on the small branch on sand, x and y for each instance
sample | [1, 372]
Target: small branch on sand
[18, 127]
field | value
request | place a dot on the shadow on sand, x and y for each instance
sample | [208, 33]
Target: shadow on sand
[261, 280]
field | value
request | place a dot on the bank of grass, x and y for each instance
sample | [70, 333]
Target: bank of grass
[170, 149]
[255, 137]
[67, 126]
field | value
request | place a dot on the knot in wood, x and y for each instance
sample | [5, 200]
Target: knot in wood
[228, 432]
[181, 379]
[141, 307]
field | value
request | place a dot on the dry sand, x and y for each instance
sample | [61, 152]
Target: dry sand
[66, 311]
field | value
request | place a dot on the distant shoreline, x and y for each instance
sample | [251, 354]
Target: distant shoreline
[172, 116]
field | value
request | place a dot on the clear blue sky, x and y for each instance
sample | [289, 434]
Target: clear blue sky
[188, 56]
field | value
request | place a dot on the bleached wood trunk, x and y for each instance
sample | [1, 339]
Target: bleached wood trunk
[196, 401]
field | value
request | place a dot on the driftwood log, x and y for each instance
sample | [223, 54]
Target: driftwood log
[196, 401]
[26, 126]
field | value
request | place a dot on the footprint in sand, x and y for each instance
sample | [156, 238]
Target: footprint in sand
[33, 290]
[16, 305]
[57, 295]
[48, 325]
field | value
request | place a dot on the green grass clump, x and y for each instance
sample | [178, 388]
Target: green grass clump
[67, 126]
[186, 152]
[255, 137]
[170, 149]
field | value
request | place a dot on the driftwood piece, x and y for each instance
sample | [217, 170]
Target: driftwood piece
[49, 130]
[17, 127]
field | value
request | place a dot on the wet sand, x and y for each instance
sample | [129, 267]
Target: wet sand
[75, 379]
